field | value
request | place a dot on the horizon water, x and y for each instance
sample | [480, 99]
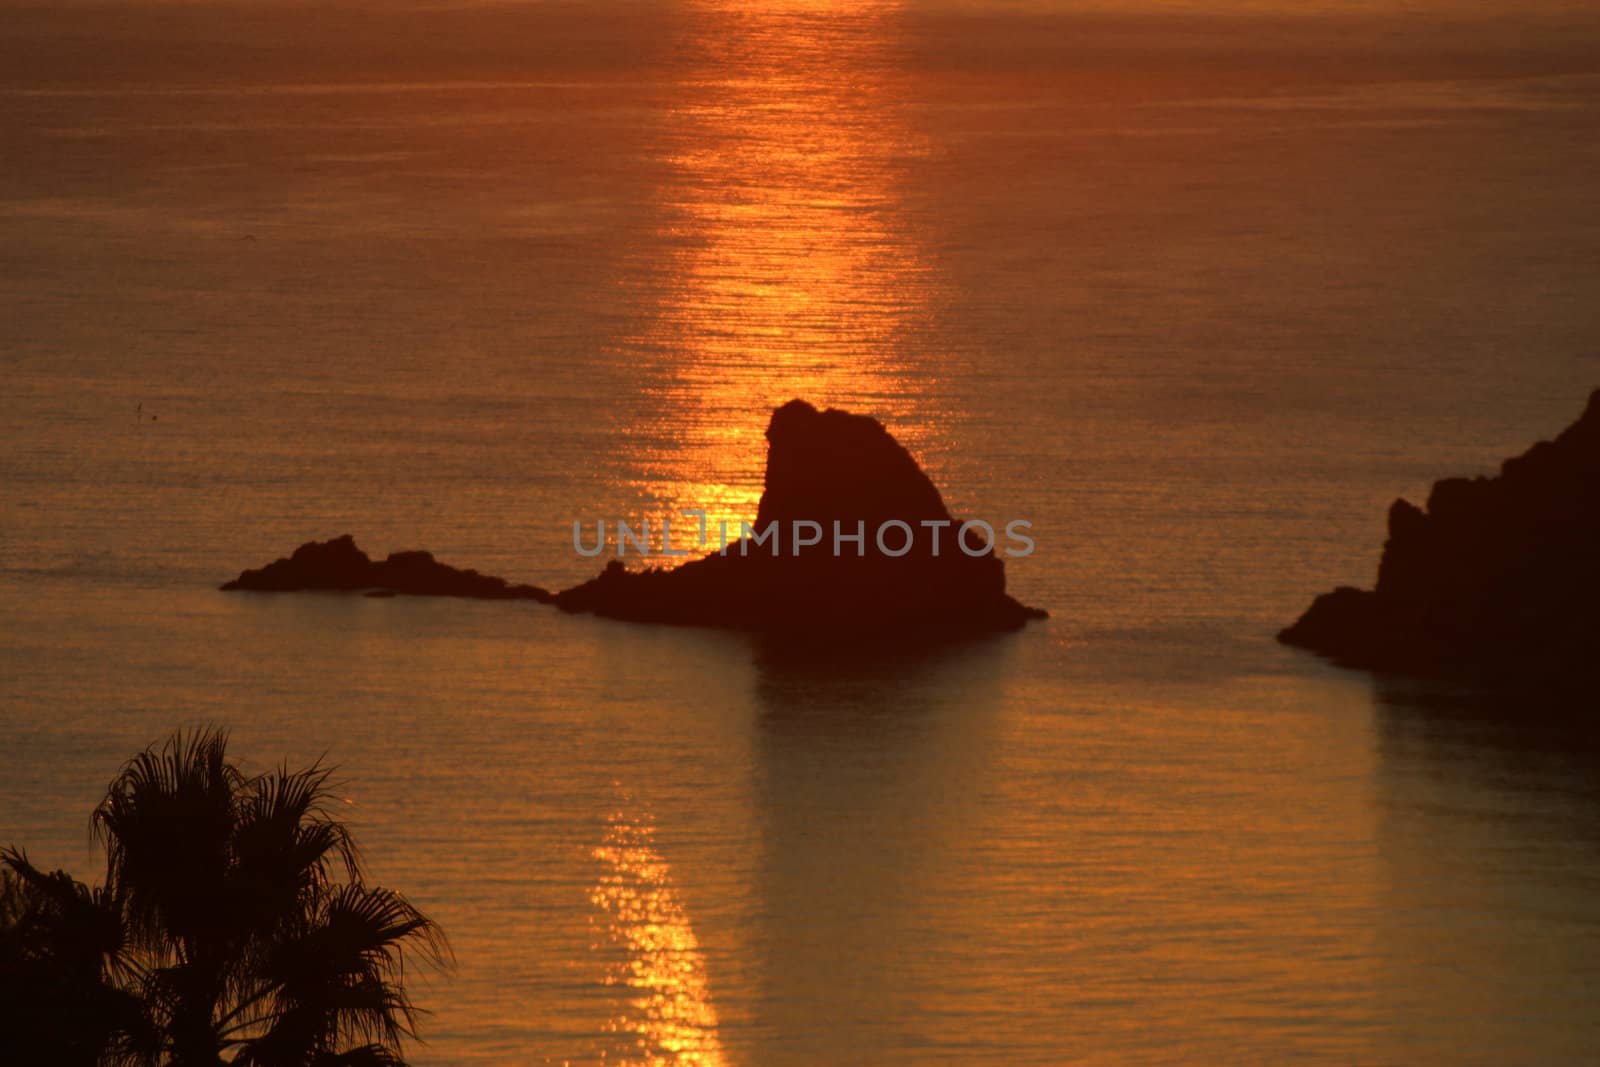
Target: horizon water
[1197, 295]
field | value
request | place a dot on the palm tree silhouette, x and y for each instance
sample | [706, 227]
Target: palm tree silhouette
[239, 920]
[58, 940]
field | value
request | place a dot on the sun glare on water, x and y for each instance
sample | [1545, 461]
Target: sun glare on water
[794, 273]
[671, 1012]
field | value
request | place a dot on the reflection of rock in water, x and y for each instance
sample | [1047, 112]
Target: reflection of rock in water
[869, 785]
[1525, 761]
[1498, 733]
[1487, 832]
[671, 1012]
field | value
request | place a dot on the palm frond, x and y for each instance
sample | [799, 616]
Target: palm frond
[364, 1056]
[167, 822]
[61, 915]
[59, 943]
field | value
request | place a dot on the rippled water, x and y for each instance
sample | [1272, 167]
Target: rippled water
[1197, 296]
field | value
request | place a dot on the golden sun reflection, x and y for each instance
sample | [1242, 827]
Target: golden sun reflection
[794, 274]
[671, 1012]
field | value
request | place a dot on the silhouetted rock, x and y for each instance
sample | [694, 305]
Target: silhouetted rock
[827, 467]
[1498, 578]
[339, 565]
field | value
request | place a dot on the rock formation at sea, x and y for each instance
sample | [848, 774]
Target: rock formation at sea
[338, 565]
[825, 469]
[1498, 578]
[828, 467]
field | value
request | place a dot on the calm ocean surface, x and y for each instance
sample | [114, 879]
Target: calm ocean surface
[1196, 295]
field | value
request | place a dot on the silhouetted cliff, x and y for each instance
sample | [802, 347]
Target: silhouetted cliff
[339, 565]
[1497, 578]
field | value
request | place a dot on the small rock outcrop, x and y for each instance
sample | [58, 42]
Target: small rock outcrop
[826, 468]
[339, 565]
[1498, 578]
